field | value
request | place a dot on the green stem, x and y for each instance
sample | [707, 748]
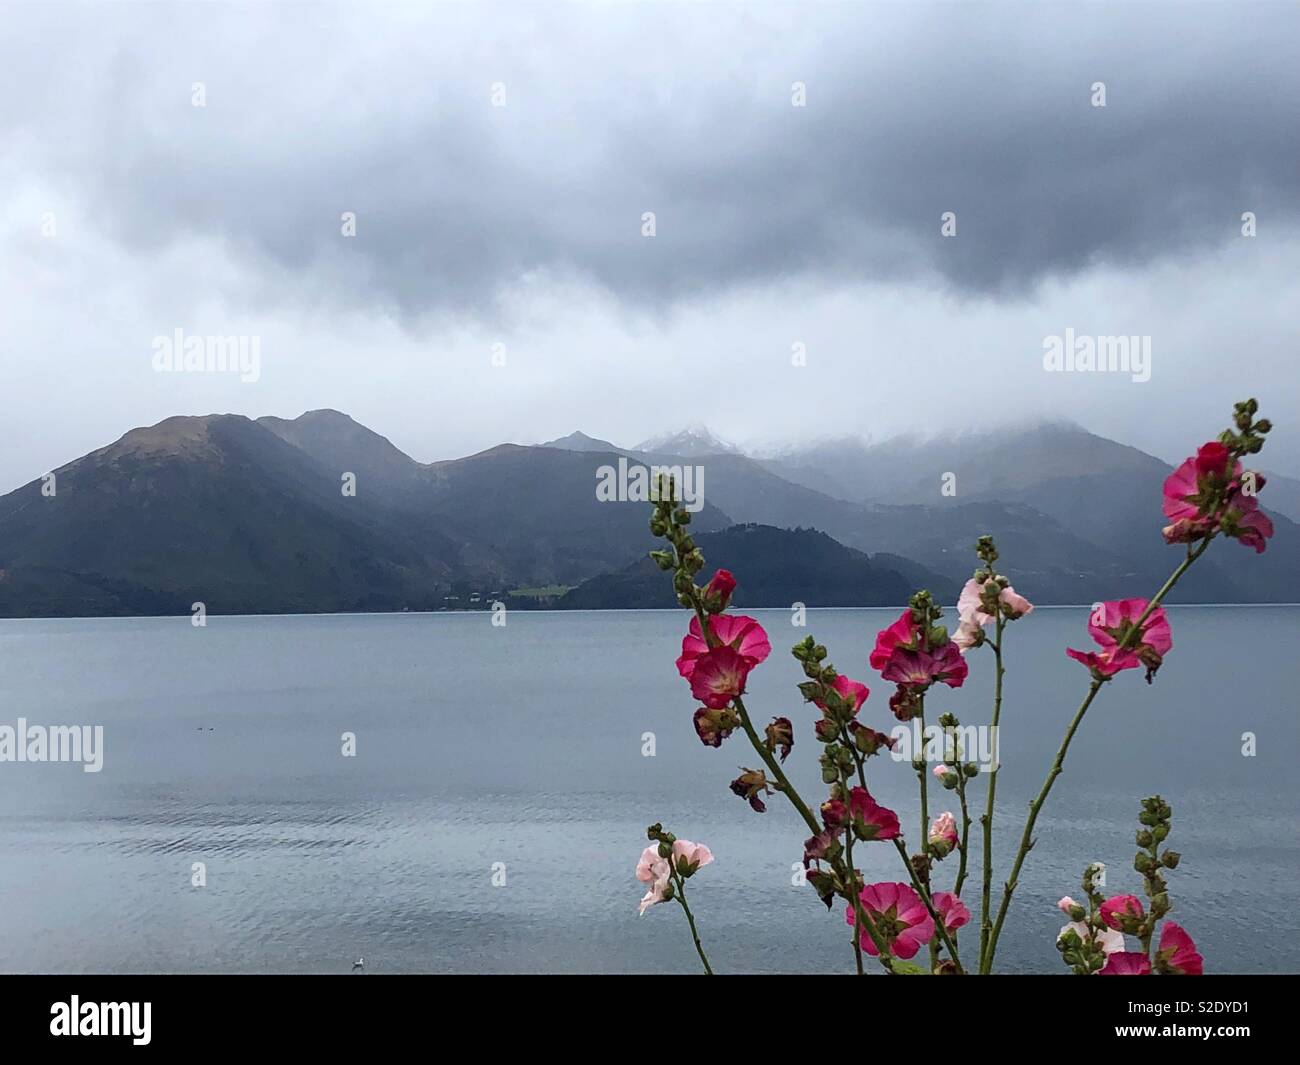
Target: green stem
[690, 918]
[965, 831]
[1035, 807]
[986, 822]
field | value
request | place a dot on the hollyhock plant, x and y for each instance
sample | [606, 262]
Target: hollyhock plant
[1129, 635]
[717, 593]
[741, 634]
[1209, 497]
[689, 857]
[943, 835]
[1177, 954]
[871, 820]
[899, 916]
[666, 865]
[851, 692]
[1127, 963]
[1123, 912]
[902, 633]
[980, 603]
[718, 676]
[655, 871]
[951, 909]
[1107, 939]
[1209, 493]
[920, 669]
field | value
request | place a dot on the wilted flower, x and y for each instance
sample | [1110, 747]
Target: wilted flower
[868, 741]
[899, 916]
[780, 736]
[751, 786]
[714, 726]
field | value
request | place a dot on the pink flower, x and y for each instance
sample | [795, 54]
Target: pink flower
[717, 593]
[1207, 494]
[970, 609]
[653, 870]
[1112, 623]
[1123, 912]
[740, 633]
[1066, 905]
[943, 834]
[719, 676]
[900, 918]
[920, 669]
[1177, 954]
[688, 857]
[1108, 939]
[951, 909]
[1126, 963]
[851, 691]
[902, 633]
[941, 771]
[870, 819]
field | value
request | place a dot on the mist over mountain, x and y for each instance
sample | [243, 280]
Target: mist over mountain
[257, 516]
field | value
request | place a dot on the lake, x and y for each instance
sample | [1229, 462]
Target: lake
[519, 749]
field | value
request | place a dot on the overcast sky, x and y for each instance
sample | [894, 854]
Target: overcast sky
[126, 213]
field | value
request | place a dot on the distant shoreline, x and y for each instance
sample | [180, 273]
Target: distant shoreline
[582, 610]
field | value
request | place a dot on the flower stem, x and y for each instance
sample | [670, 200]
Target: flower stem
[1035, 807]
[986, 822]
[690, 918]
[965, 833]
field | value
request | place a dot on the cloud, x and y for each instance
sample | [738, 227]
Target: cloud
[684, 111]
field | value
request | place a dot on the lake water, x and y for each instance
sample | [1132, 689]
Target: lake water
[522, 745]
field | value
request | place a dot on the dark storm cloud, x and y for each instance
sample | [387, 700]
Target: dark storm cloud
[911, 112]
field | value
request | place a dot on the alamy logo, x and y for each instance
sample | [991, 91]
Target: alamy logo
[102, 1018]
[635, 483]
[179, 353]
[53, 743]
[1093, 354]
[937, 743]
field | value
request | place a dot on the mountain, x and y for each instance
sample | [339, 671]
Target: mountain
[1103, 498]
[249, 516]
[692, 442]
[774, 567]
[216, 509]
[580, 441]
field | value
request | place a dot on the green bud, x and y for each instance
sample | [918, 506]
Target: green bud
[1170, 859]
